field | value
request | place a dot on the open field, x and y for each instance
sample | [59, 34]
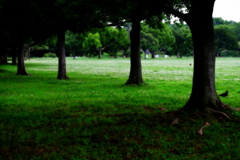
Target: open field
[95, 116]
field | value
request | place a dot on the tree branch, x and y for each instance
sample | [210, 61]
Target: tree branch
[119, 23]
[184, 17]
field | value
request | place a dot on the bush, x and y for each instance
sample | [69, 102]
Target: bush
[52, 55]
[230, 53]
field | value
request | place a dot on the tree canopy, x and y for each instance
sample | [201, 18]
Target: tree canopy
[225, 39]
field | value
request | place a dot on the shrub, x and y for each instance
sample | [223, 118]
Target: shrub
[52, 55]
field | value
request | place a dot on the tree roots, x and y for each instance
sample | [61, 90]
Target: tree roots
[220, 112]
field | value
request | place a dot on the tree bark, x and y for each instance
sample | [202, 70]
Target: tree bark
[178, 55]
[135, 76]
[204, 96]
[62, 73]
[3, 56]
[153, 54]
[20, 52]
[100, 54]
[13, 53]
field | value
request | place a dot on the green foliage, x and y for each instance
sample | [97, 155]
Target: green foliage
[236, 30]
[73, 43]
[40, 47]
[52, 55]
[183, 43]
[225, 38]
[220, 21]
[92, 41]
[155, 38]
[230, 53]
[107, 39]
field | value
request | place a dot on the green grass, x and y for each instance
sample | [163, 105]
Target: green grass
[93, 115]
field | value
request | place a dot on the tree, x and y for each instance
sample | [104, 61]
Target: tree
[3, 45]
[135, 76]
[183, 36]
[203, 97]
[106, 39]
[25, 25]
[122, 42]
[220, 21]
[62, 72]
[148, 42]
[92, 42]
[74, 43]
[225, 39]
[237, 30]
[134, 12]
[77, 16]
[154, 38]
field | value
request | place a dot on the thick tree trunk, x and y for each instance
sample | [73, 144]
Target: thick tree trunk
[135, 76]
[20, 52]
[204, 96]
[62, 73]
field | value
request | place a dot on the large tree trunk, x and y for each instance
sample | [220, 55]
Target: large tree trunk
[135, 76]
[62, 73]
[20, 52]
[204, 96]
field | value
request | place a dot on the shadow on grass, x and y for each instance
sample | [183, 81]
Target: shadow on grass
[64, 135]
[3, 71]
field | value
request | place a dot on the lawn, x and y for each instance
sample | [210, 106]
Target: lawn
[93, 115]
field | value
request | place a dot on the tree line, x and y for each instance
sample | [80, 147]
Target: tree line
[170, 39]
[32, 22]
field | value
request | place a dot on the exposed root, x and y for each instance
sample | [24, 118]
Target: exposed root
[175, 122]
[224, 106]
[200, 131]
[235, 109]
[219, 112]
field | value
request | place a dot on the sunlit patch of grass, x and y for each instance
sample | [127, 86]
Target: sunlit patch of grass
[93, 115]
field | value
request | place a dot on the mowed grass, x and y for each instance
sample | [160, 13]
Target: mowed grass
[93, 115]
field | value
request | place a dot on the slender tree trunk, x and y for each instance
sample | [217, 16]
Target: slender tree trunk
[62, 73]
[204, 96]
[178, 55]
[153, 54]
[13, 53]
[145, 54]
[28, 53]
[3, 56]
[73, 53]
[20, 52]
[100, 54]
[135, 76]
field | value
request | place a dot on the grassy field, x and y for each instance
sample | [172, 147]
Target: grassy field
[93, 115]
